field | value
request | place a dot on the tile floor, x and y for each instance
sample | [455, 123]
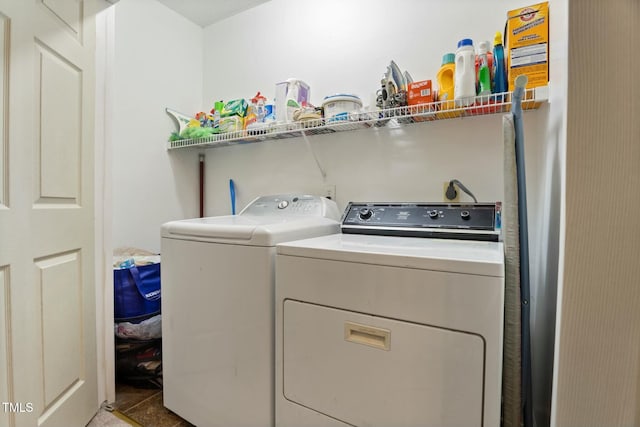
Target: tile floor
[145, 407]
[105, 418]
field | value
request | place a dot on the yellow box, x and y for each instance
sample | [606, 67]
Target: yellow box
[528, 44]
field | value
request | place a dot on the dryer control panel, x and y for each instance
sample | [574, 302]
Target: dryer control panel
[466, 221]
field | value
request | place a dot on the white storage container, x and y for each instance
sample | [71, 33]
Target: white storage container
[340, 106]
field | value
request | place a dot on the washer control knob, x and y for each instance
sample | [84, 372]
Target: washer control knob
[283, 204]
[465, 215]
[365, 213]
[433, 214]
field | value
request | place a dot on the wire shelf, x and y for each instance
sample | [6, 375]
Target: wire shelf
[390, 118]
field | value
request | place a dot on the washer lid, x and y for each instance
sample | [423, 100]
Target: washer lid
[249, 229]
[456, 256]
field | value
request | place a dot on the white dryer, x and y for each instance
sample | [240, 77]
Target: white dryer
[392, 331]
[218, 307]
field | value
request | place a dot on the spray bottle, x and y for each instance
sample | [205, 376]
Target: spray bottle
[484, 72]
[255, 110]
[260, 101]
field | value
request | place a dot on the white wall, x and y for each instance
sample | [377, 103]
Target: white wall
[338, 46]
[158, 64]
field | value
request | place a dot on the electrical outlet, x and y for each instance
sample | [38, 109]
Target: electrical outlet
[444, 193]
[330, 191]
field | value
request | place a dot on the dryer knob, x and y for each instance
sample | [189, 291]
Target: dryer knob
[283, 204]
[465, 215]
[433, 214]
[365, 213]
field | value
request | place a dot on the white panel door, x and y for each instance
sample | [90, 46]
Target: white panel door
[48, 372]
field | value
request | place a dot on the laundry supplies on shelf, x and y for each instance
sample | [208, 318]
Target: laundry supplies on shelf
[389, 117]
[341, 106]
[499, 67]
[465, 80]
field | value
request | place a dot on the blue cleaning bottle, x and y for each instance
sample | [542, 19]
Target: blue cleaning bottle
[499, 67]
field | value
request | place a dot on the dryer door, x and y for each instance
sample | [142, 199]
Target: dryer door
[371, 371]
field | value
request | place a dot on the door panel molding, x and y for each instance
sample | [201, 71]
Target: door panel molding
[60, 286]
[59, 118]
[51, 409]
[4, 105]
[6, 384]
[68, 13]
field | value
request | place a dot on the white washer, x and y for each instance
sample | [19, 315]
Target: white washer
[218, 307]
[383, 331]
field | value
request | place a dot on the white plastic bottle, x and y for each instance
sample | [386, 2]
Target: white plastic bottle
[465, 74]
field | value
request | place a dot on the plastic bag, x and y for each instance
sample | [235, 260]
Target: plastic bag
[146, 330]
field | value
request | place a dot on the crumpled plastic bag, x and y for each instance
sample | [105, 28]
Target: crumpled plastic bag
[146, 330]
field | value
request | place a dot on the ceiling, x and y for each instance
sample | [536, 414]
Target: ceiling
[206, 12]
